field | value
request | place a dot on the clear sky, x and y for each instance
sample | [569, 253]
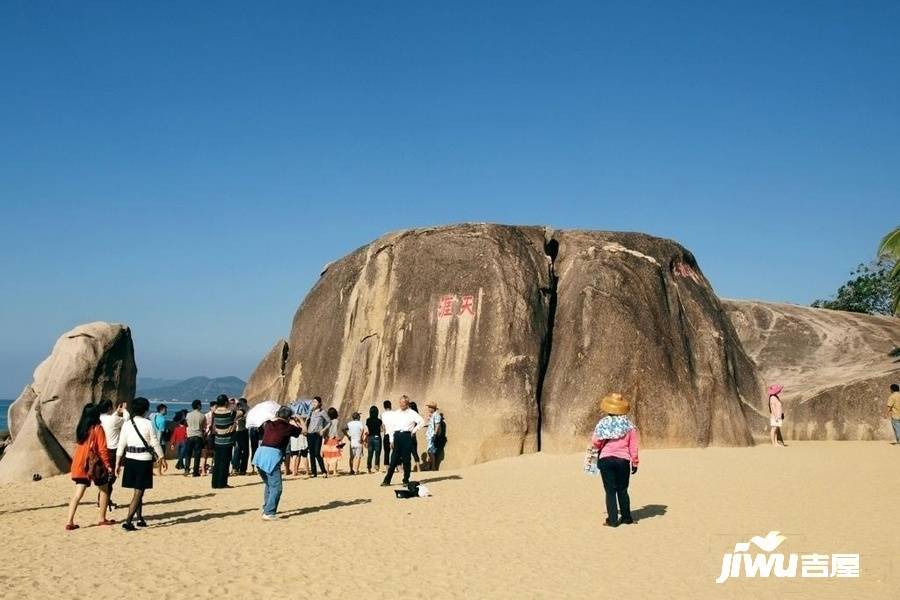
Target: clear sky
[187, 168]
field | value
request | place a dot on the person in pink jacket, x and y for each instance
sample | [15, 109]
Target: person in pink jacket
[616, 437]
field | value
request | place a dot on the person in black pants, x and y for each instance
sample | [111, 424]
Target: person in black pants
[615, 473]
[241, 439]
[616, 439]
[403, 423]
[386, 439]
[318, 423]
[223, 426]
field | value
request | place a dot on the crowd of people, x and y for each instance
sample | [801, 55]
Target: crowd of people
[116, 443]
[119, 443]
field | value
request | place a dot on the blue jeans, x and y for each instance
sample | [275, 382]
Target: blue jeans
[183, 456]
[272, 493]
[896, 424]
[374, 452]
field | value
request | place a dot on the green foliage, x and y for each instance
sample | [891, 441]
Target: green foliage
[889, 249]
[870, 290]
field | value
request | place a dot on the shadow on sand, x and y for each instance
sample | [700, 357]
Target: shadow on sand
[444, 478]
[331, 505]
[648, 511]
[177, 500]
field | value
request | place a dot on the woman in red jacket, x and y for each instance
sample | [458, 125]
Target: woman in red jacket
[91, 443]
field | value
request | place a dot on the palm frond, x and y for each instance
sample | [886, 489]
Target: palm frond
[890, 244]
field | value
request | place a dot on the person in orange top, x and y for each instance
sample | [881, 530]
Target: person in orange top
[91, 440]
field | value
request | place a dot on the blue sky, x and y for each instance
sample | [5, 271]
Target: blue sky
[187, 169]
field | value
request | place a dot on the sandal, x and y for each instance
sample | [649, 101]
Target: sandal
[107, 522]
[71, 526]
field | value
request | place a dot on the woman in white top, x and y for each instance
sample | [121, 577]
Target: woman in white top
[136, 441]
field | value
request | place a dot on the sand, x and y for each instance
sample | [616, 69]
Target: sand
[527, 527]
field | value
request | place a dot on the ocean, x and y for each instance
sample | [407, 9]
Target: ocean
[4, 408]
[172, 406]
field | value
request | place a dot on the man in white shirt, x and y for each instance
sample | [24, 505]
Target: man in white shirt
[111, 419]
[400, 425]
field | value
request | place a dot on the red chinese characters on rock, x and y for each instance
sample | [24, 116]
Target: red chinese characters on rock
[450, 305]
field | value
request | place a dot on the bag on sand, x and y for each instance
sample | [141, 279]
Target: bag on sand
[590, 461]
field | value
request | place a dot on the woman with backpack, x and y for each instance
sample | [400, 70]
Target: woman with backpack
[139, 449]
[90, 464]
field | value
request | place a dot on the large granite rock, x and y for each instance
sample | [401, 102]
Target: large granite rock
[636, 315]
[469, 316]
[836, 367]
[267, 380]
[91, 363]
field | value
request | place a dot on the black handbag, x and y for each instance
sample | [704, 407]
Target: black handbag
[144, 442]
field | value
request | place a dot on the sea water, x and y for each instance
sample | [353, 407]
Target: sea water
[173, 407]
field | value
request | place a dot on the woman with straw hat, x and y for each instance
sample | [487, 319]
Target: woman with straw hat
[616, 439]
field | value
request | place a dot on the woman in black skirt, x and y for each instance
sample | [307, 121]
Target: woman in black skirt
[139, 449]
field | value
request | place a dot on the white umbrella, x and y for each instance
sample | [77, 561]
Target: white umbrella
[262, 412]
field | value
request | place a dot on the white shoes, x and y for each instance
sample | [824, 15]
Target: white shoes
[269, 517]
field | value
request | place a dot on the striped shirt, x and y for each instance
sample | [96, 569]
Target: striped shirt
[224, 427]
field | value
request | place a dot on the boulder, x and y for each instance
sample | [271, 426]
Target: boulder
[93, 362]
[470, 316]
[635, 315]
[267, 380]
[836, 367]
[455, 314]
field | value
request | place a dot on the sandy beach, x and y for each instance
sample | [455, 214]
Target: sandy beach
[526, 527]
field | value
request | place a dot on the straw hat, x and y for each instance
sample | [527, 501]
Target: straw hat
[615, 404]
[775, 389]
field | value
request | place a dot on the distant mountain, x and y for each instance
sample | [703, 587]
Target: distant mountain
[202, 388]
[151, 383]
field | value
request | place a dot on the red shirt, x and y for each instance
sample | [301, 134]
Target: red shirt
[179, 434]
[277, 433]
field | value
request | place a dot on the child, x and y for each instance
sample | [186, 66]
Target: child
[354, 433]
[178, 443]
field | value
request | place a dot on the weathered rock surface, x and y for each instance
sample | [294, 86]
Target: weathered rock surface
[635, 315]
[464, 315]
[91, 363]
[267, 380]
[835, 367]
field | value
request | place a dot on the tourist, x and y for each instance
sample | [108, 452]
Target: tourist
[415, 440]
[90, 464]
[196, 429]
[354, 430]
[776, 414]
[401, 425]
[158, 420]
[373, 440]
[223, 426]
[267, 459]
[331, 449]
[178, 441]
[299, 452]
[139, 448]
[616, 438]
[209, 445]
[318, 423]
[111, 418]
[253, 433]
[241, 439]
[435, 436]
[893, 410]
[386, 438]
